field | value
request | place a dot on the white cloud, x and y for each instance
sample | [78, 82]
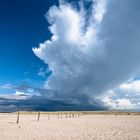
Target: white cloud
[133, 87]
[91, 56]
[99, 10]
[125, 96]
[119, 104]
[43, 72]
[6, 86]
[70, 49]
[19, 93]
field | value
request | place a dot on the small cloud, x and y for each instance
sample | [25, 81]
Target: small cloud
[133, 87]
[44, 72]
[15, 96]
[6, 86]
[119, 104]
[19, 93]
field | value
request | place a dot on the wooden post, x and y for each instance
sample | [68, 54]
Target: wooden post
[38, 117]
[72, 115]
[66, 114]
[18, 116]
[58, 116]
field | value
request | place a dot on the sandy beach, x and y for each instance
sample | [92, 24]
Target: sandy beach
[84, 127]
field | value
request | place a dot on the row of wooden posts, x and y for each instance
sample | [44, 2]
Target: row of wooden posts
[59, 115]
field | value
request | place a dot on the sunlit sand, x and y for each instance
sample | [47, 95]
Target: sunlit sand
[70, 126]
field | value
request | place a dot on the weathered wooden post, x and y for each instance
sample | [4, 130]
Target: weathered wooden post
[18, 116]
[38, 117]
[58, 116]
[72, 115]
[66, 114]
[78, 115]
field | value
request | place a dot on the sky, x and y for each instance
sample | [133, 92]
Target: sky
[22, 26]
[69, 55]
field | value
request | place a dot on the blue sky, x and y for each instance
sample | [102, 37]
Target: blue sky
[69, 55]
[22, 26]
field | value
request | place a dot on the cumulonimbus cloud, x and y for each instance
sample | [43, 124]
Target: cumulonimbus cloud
[89, 56]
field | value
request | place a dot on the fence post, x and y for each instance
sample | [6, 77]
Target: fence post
[38, 117]
[18, 116]
[72, 115]
[69, 115]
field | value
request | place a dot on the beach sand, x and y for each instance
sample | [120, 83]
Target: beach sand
[84, 127]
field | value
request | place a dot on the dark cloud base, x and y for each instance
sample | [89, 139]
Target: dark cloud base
[36, 104]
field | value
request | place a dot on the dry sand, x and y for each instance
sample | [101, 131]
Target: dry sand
[86, 127]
